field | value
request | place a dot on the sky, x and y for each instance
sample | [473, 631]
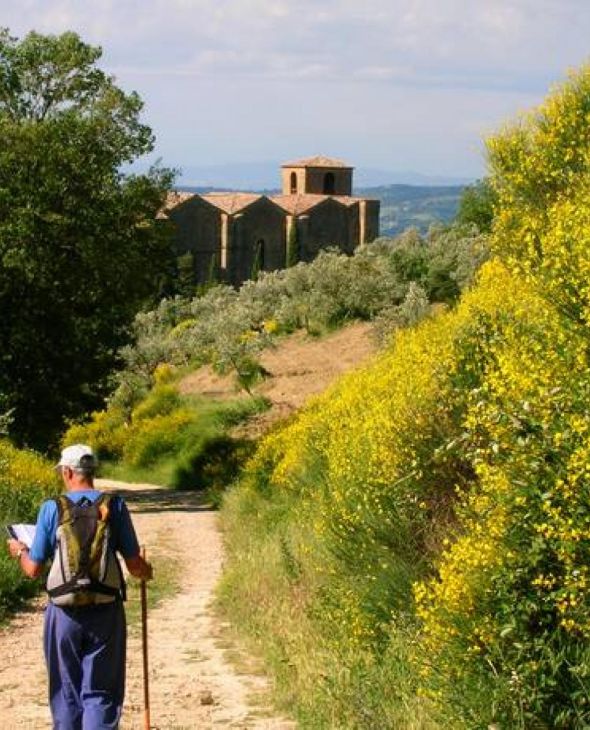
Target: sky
[396, 85]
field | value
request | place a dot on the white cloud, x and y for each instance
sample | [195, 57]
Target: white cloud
[483, 39]
[383, 68]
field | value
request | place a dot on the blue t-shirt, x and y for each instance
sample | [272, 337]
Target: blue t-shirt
[123, 538]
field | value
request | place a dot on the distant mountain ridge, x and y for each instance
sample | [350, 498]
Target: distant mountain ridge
[266, 176]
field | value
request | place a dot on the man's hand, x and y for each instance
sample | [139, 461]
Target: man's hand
[15, 547]
[139, 568]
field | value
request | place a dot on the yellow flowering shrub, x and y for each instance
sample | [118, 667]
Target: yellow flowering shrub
[112, 436]
[456, 461]
[442, 493]
[164, 374]
[541, 173]
[385, 435]
[106, 432]
[151, 438]
[26, 479]
[376, 466]
[160, 401]
[507, 613]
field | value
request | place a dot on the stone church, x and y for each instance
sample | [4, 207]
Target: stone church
[231, 233]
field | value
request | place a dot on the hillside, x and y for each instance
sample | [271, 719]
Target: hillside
[298, 367]
[403, 206]
[411, 549]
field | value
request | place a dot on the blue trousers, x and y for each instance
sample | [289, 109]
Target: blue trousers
[85, 655]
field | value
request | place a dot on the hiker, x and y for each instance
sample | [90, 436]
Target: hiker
[85, 629]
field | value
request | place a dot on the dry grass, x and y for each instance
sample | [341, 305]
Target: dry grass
[300, 367]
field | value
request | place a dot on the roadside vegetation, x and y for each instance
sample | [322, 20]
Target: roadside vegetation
[411, 550]
[170, 439]
[151, 430]
[26, 479]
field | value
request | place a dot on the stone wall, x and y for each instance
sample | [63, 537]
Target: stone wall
[371, 220]
[261, 224]
[197, 229]
[299, 173]
[231, 235]
[327, 224]
[313, 180]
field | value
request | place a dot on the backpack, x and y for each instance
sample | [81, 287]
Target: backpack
[85, 569]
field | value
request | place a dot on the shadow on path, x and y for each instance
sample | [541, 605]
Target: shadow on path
[146, 501]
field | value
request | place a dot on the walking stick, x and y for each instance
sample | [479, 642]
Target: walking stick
[144, 642]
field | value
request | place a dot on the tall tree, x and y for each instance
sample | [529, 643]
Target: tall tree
[80, 248]
[292, 257]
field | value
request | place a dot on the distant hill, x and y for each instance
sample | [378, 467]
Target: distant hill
[266, 176]
[402, 206]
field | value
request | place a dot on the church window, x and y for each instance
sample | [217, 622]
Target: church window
[293, 183]
[329, 183]
[260, 252]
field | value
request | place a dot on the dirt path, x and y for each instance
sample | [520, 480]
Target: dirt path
[192, 683]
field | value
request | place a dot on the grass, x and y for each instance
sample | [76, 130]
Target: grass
[187, 447]
[284, 611]
[164, 585]
[160, 473]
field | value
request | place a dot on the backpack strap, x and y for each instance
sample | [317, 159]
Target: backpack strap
[94, 587]
[64, 508]
[106, 502]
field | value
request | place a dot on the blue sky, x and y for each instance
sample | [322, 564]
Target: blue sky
[391, 84]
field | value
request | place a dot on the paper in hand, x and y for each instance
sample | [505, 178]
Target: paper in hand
[22, 533]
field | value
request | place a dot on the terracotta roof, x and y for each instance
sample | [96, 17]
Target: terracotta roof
[317, 161]
[298, 204]
[176, 197]
[348, 200]
[231, 202]
[173, 199]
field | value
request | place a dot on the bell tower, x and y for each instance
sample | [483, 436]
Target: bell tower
[317, 176]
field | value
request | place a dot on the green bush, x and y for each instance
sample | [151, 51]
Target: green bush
[160, 401]
[179, 439]
[211, 462]
[229, 328]
[106, 431]
[151, 439]
[476, 205]
[407, 314]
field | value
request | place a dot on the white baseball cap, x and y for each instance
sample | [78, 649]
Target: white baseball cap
[78, 456]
